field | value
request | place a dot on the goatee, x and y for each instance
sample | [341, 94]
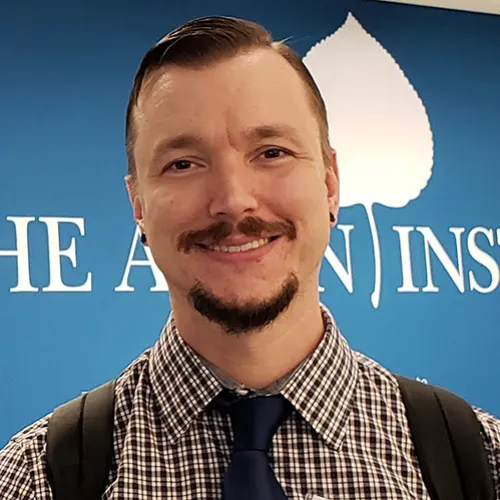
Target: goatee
[243, 318]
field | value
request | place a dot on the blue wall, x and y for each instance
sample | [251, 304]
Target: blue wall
[66, 70]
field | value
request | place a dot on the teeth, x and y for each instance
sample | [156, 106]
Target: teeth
[240, 248]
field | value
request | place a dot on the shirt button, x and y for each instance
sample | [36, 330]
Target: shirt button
[241, 391]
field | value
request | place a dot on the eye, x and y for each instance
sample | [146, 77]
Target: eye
[179, 166]
[272, 153]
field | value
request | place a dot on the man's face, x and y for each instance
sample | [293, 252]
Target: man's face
[232, 190]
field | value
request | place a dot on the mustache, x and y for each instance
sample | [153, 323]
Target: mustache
[249, 226]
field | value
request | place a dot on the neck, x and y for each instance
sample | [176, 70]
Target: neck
[256, 359]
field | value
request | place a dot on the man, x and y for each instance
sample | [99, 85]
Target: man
[235, 188]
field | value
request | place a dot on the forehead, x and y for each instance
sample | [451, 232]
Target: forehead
[246, 91]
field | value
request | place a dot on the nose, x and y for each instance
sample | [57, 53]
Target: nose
[233, 193]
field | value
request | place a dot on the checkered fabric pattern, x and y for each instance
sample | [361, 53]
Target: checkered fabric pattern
[346, 438]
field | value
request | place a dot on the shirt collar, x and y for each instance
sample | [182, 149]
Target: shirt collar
[182, 385]
[239, 389]
[321, 388]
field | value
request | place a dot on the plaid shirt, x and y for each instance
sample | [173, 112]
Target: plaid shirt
[347, 437]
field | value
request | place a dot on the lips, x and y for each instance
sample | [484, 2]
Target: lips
[233, 247]
[225, 233]
[251, 245]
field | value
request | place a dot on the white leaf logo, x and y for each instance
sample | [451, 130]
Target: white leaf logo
[378, 125]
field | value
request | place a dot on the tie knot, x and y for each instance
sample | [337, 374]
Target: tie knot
[256, 420]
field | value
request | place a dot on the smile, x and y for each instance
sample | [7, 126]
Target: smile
[251, 245]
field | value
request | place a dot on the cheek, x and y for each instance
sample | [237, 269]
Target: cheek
[161, 214]
[169, 212]
[309, 203]
[306, 198]
[159, 208]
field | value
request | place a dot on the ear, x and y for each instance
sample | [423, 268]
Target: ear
[135, 201]
[332, 184]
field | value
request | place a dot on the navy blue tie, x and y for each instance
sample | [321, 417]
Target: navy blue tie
[249, 475]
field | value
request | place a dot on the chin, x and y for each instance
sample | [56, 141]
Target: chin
[243, 296]
[242, 287]
[244, 312]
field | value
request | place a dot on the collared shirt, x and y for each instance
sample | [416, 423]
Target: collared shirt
[243, 391]
[347, 437]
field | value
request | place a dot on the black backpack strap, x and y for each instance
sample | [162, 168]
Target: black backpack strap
[80, 445]
[448, 442]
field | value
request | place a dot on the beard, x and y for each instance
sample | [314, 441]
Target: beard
[253, 315]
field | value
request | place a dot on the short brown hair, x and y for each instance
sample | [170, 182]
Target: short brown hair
[205, 41]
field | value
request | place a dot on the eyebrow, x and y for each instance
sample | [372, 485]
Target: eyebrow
[273, 131]
[181, 141]
[185, 141]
